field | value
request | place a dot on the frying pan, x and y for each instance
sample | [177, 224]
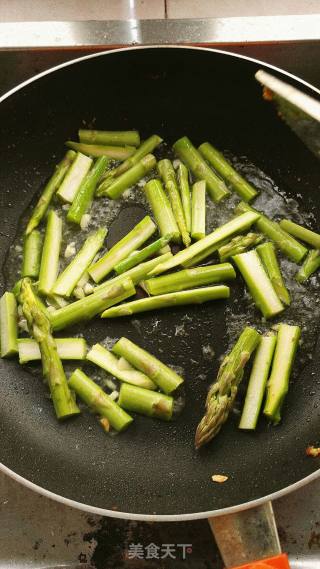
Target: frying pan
[152, 471]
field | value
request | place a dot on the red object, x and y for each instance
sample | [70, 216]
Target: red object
[277, 562]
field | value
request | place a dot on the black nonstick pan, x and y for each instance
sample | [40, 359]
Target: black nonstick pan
[153, 471]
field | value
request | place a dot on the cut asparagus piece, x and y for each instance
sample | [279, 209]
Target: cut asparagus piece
[163, 376]
[285, 242]
[199, 167]
[222, 393]
[216, 159]
[162, 210]
[310, 266]
[8, 325]
[145, 402]
[239, 244]
[278, 384]
[146, 148]
[99, 401]
[108, 361]
[258, 382]
[138, 256]
[69, 278]
[195, 296]
[197, 259]
[236, 225]
[131, 242]
[306, 235]
[96, 150]
[114, 137]
[269, 260]
[128, 178]
[90, 306]
[136, 274]
[67, 348]
[189, 278]
[198, 226]
[49, 191]
[183, 180]
[84, 196]
[168, 176]
[74, 177]
[39, 327]
[259, 284]
[32, 249]
[49, 266]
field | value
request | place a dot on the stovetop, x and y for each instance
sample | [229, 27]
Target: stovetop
[37, 532]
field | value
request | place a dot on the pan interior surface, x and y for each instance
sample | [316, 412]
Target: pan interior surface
[153, 468]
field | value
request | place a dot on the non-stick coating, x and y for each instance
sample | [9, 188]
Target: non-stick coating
[153, 467]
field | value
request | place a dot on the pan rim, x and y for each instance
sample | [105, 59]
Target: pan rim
[156, 517]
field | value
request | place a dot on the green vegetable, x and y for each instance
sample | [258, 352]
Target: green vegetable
[195, 296]
[259, 284]
[245, 190]
[222, 393]
[99, 401]
[145, 402]
[278, 384]
[163, 376]
[199, 167]
[132, 241]
[8, 325]
[49, 266]
[32, 249]
[189, 278]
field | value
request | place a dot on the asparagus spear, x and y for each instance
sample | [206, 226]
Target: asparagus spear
[259, 284]
[108, 361]
[138, 256]
[136, 274]
[163, 376]
[32, 249]
[189, 278]
[198, 230]
[50, 253]
[117, 138]
[195, 296]
[239, 244]
[8, 325]
[67, 348]
[128, 178]
[236, 225]
[257, 382]
[90, 306]
[270, 262]
[222, 393]
[39, 328]
[146, 148]
[145, 402]
[84, 196]
[168, 176]
[306, 235]
[278, 384]
[96, 150]
[74, 177]
[183, 180]
[285, 242]
[199, 167]
[310, 265]
[99, 401]
[216, 159]
[162, 210]
[69, 278]
[138, 235]
[49, 190]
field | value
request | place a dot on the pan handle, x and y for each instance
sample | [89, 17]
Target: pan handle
[248, 535]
